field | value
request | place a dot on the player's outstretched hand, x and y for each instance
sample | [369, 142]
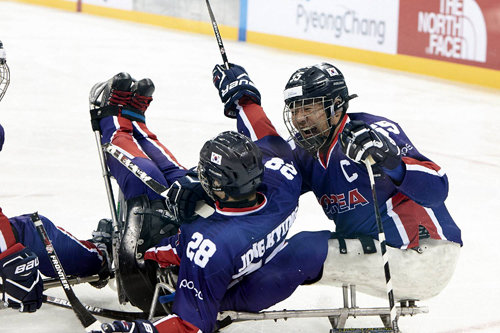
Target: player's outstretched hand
[22, 282]
[137, 326]
[233, 84]
[359, 140]
[183, 195]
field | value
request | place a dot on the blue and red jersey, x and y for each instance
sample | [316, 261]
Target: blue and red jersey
[230, 247]
[342, 186]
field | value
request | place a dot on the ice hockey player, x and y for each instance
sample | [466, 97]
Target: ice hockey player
[330, 147]
[23, 257]
[229, 259]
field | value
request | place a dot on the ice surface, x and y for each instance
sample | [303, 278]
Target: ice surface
[50, 163]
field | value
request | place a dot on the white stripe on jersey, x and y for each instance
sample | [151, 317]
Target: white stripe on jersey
[165, 248]
[430, 212]
[247, 123]
[3, 243]
[124, 152]
[163, 152]
[421, 168]
[398, 223]
[94, 250]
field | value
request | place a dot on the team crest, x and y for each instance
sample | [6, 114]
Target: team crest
[216, 158]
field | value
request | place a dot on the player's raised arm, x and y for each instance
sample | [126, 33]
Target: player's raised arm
[242, 101]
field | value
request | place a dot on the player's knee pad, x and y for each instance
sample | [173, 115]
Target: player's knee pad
[415, 275]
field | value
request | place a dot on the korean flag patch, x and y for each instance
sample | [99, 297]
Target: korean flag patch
[332, 71]
[216, 158]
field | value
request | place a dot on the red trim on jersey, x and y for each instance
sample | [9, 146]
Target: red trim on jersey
[427, 164]
[164, 255]
[124, 139]
[325, 158]
[261, 125]
[6, 229]
[153, 137]
[174, 324]
[243, 210]
[11, 250]
[91, 246]
[412, 215]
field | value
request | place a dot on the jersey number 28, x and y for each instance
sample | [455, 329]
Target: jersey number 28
[199, 250]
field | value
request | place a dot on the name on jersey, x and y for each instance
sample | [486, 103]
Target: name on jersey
[341, 203]
[260, 247]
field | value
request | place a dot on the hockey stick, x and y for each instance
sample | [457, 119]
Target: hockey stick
[98, 311]
[218, 36]
[116, 234]
[381, 237]
[86, 318]
[54, 282]
[201, 209]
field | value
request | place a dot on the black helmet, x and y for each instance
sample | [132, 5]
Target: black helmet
[4, 72]
[323, 85]
[230, 163]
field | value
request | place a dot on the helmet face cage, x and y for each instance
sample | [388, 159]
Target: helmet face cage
[208, 182]
[310, 121]
[4, 77]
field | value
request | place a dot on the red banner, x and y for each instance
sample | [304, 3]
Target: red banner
[459, 31]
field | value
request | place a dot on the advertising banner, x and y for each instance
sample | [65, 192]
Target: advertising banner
[363, 24]
[460, 31]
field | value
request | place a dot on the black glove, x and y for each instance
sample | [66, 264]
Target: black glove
[183, 195]
[359, 141]
[233, 84]
[136, 326]
[22, 282]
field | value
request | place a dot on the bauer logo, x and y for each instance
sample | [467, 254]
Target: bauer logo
[216, 158]
[444, 29]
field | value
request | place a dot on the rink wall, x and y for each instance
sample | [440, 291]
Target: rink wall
[457, 40]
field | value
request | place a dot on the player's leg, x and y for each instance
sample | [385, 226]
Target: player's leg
[161, 155]
[118, 130]
[297, 263]
[79, 258]
[416, 275]
[147, 140]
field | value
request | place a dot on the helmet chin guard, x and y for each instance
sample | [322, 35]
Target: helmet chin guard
[316, 100]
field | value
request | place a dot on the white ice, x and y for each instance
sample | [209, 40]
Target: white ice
[50, 164]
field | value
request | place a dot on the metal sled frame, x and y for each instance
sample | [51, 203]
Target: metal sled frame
[337, 317]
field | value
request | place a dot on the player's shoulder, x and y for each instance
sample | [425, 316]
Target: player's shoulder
[368, 118]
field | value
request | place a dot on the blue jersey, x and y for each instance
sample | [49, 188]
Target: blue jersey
[342, 187]
[217, 252]
[343, 190]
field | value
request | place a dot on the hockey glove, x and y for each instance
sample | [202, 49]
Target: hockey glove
[22, 282]
[183, 195]
[359, 140]
[233, 84]
[136, 326]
